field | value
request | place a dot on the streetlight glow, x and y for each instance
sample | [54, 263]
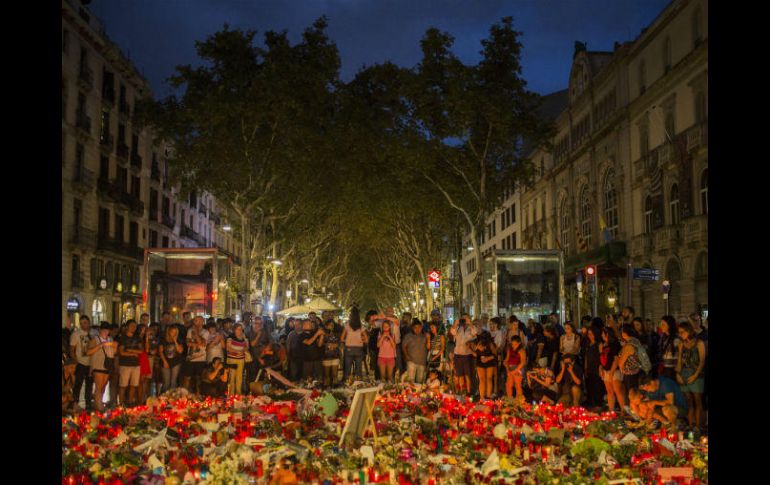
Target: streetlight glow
[277, 262]
[227, 228]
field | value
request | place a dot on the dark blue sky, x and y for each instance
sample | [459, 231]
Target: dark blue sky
[158, 35]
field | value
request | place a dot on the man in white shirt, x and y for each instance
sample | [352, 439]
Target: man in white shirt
[197, 338]
[79, 342]
[463, 333]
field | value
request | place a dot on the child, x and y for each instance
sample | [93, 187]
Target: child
[434, 381]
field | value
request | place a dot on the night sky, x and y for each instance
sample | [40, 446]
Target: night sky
[158, 35]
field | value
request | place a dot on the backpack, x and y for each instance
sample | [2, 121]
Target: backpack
[644, 359]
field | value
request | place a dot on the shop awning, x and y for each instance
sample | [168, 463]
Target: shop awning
[608, 259]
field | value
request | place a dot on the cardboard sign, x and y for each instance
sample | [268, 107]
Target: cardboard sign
[667, 473]
[360, 413]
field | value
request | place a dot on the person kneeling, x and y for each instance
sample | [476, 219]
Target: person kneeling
[570, 379]
[662, 400]
[214, 379]
[543, 385]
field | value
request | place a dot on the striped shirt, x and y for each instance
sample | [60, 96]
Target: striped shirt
[236, 349]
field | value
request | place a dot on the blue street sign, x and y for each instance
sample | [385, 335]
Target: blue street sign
[646, 274]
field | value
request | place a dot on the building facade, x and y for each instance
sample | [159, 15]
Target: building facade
[625, 184]
[116, 198]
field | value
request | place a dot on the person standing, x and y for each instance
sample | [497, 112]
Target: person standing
[668, 347]
[354, 338]
[215, 344]
[594, 384]
[101, 354]
[79, 342]
[197, 338]
[415, 349]
[152, 342]
[129, 348]
[609, 348]
[331, 356]
[569, 343]
[373, 327]
[486, 363]
[312, 348]
[293, 350]
[463, 333]
[236, 347]
[689, 373]
[436, 345]
[170, 351]
[386, 355]
[631, 358]
[515, 363]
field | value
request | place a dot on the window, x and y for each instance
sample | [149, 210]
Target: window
[494, 228]
[105, 134]
[585, 216]
[119, 228]
[135, 187]
[565, 223]
[513, 213]
[697, 34]
[666, 54]
[97, 312]
[611, 204]
[165, 241]
[648, 215]
[78, 160]
[104, 223]
[669, 124]
[704, 192]
[104, 167]
[77, 211]
[642, 77]
[76, 271]
[153, 239]
[133, 234]
[512, 244]
[674, 204]
[502, 219]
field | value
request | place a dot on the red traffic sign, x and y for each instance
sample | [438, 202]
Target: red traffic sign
[434, 276]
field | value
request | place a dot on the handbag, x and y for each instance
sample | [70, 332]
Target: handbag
[109, 362]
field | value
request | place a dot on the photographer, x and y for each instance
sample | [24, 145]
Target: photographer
[544, 388]
[213, 380]
[463, 333]
[570, 380]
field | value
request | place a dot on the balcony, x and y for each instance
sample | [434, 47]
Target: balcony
[215, 217]
[190, 234]
[136, 160]
[202, 209]
[136, 205]
[83, 180]
[82, 237]
[668, 238]
[108, 189]
[107, 142]
[83, 123]
[664, 155]
[122, 197]
[169, 221]
[120, 247]
[86, 78]
[696, 232]
[122, 152]
[641, 246]
[697, 136]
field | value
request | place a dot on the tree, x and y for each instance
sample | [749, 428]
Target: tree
[477, 125]
[250, 127]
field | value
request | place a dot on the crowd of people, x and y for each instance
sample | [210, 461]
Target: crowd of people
[651, 376]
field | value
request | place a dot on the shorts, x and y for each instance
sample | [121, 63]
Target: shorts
[387, 361]
[696, 386]
[615, 376]
[100, 371]
[330, 362]
[463, 365]
[129, 375]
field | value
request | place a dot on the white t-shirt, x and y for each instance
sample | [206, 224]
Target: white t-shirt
[80, 340]
[197, 354]
[215, 350]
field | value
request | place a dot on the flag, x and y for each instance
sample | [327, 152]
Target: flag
[606, 235]
[656, 180]
[581, 243]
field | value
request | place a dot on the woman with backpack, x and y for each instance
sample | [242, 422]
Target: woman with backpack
[633, 359]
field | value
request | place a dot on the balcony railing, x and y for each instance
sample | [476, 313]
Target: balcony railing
[137, 206]
[108, 188]
[153, 214]
[136, 160]
[82, 237]
[83, 122]
[84, 179]
[697, 136]
[641, 245]
[696, 231]
[668, 238]
[187, 232]
[86, 78]
[120, 247]
[169, 221]
[122, 151]
[202, 209]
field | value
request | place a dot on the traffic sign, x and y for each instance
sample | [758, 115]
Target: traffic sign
[434, 278]
[646, 274]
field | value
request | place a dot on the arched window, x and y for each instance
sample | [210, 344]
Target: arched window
[565, 224]
[704, 192]
[585, 216]
[642, 77]
[666, 54]
[697, 33]
[648, 215]
[611, 217]
[674, 204]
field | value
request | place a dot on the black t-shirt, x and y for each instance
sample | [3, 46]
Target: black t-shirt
[130, 343]
[551, 347]
[566, 379]
[592, 359]
[609, 352]
[309, 352]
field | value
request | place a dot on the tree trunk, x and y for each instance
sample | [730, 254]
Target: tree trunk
[273, 288]
[246, 261]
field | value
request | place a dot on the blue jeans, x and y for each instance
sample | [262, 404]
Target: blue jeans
[353, 355]
[170, 376]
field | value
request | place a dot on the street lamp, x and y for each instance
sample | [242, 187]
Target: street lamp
[304, 281]
[277, 262]
[227, 228]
